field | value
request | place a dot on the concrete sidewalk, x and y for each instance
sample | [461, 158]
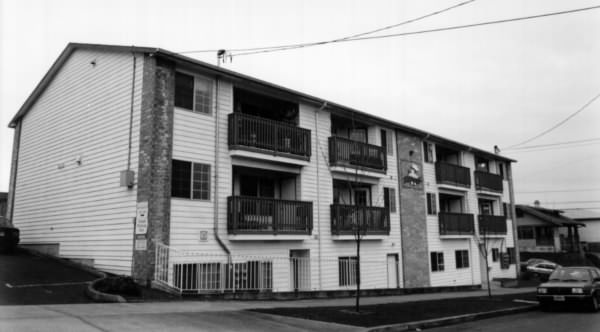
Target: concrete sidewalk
[193, 315]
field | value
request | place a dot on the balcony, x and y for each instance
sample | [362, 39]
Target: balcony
[370, 220]
[254, 215]
[456, 223]
[488, 181]
[256, 134]
[452, 174]
[345, 152]
[492, 225]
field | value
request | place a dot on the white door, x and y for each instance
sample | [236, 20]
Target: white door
[392, 270]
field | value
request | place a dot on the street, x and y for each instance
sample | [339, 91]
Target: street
[532, 322]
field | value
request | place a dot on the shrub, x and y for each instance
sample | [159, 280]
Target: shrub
[120, 285]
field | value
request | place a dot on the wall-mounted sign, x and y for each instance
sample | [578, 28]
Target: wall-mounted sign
[141, 218]
[141, 244]
[413, 176]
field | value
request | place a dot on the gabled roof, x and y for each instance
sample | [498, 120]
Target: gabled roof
[551, 216]
[178, 58]
[582, 215]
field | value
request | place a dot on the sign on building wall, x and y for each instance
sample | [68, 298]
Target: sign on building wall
[412, 179]
[141, 218]
[141, 243]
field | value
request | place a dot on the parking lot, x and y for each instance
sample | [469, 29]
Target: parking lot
[32, 279]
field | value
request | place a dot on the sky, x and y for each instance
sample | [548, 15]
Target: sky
[492, 85]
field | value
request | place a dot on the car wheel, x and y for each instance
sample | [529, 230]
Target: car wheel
[594, 303]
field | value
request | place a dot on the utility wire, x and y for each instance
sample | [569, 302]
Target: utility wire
[571, 202]
[292, 46]
[555, 144]
[558, 124]
[557, 191]
[456, 27]
[555, 148]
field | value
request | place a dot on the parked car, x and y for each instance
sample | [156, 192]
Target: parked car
[542, 270]
[531, 261]
[9, 238]
[568, 285]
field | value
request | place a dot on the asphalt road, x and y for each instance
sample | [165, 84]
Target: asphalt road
[532, 322]
[31, 279]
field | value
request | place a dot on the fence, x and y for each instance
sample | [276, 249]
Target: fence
[195, 272]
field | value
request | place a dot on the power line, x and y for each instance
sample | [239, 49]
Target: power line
[558, 124]
[571, 202]
[555, 148]
[557, 191]
[555, 144]
[456, 27]
[300, 45]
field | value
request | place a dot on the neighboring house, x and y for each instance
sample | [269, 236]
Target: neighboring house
[590, 238]
[202, 179]
[3, 208]
[546, 230]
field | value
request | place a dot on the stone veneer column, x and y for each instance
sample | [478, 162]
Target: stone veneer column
[10, 203]
[415, 258]
[155, 152]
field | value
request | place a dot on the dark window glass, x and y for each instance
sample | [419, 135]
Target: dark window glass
[512, 258]
[181, 179]
[428, 152]
[184, 91]
[431, 204]
[389, 198]
[495, 254]
[462, 259]
[437, 261]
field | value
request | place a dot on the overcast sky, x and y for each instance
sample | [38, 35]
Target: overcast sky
[484, 86]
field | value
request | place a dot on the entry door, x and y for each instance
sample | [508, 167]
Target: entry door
[361, 196]
[300, 270]
[392, 270]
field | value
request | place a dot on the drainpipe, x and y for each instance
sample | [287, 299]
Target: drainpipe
[513, 212]
[399, 174]
[319, 194]
[216, 181]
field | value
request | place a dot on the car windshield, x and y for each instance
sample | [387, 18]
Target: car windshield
[570, 274]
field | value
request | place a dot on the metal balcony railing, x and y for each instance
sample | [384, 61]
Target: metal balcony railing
[456, 223]
[489, 224]
[254, 215]
[488, 181]
[249, 132]
[452, 174]
[366, 220]
[346, 152]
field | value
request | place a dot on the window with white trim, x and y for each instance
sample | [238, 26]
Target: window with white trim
[495, 254]
[437, 261]
[431, 204]
[462, 259]
[428, 152]
[347, 270]
[389, 199]
[190, 180]
[194, 93]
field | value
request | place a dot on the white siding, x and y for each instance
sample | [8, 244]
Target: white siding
[84, 112]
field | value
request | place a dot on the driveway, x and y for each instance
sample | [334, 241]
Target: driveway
[31, 279]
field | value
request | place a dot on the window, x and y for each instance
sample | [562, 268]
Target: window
[193, 93]
[386, 141]
[482, 165]
[495, 254]
[502, 171]
[389, 199]
[437, 261]
[507, 210]
[431, 204]
[462, 259]
[512, 258]
[190, 180]
[250, 275]
[428, 152]
[347, 270]
[486, 207]
[525, 232]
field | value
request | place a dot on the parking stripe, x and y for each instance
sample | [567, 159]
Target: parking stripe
[47, 285]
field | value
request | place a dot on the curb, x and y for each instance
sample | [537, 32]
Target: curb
[437, 322]
[100, 296]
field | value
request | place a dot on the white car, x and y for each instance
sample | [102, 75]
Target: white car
[542, 269]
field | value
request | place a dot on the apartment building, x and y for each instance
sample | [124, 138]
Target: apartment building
[201, 179]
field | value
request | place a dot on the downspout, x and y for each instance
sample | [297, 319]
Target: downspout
[131, 111]
[399, 174]
[513, 212]
[216, 181]
[319, 193]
